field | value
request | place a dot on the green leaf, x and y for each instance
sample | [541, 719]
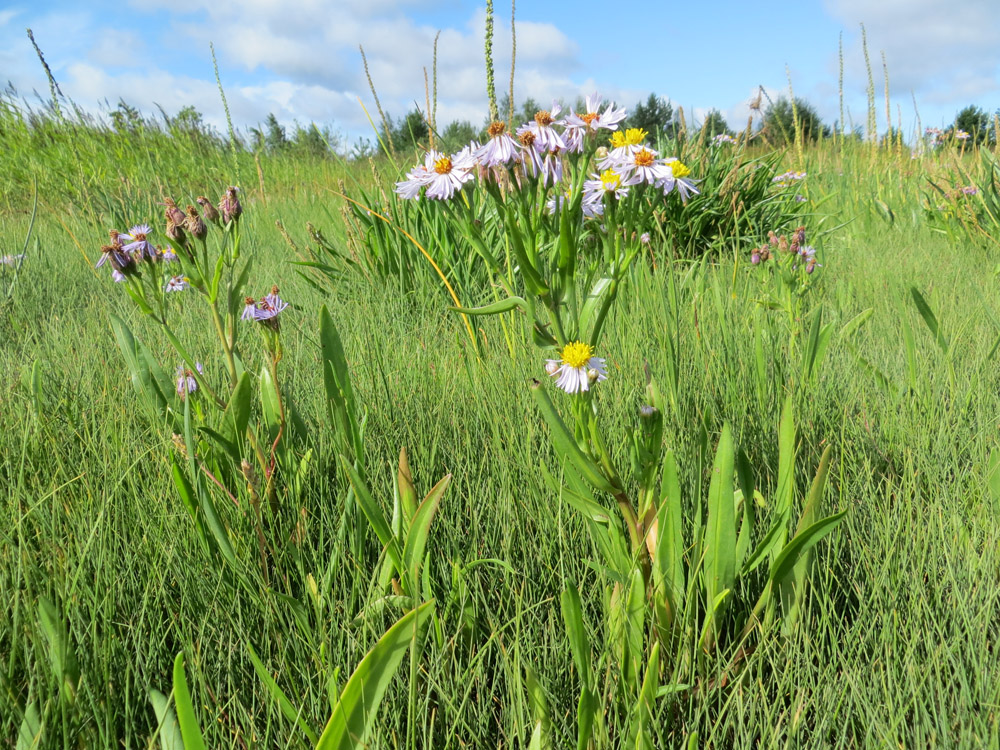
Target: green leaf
[929, 318]
[593, 301]
[993, 477]
[29, 734]
[504, 305]
[376, 518]
[786, 465]
[635, 626]
[270, 404]
[578, 497]
[420, 528]
[565, 443]
[287, 708]
[337, 382]
[720, 548]
[539, 703]
[190, 731]
[576, 632]
[856, 322]
[668, 558]
[237, 415]
[62, 659]
[355, 712]
[166, 722]
[707, 640]
[784, 563]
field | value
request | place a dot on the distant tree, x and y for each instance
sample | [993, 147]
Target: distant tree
[409, 132]
[457, 134]
[779, 122]
[362, 149]
[275, 138]
[975, 122]
[126, 118]
[715, 124]
[655, 116]
[312, 141]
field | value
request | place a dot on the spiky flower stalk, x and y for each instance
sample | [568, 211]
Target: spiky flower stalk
[491, 91]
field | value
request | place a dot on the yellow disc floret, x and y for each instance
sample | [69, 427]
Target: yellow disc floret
[576, 354]
[644, 158]
[611, 180]
[679, 170]
[443, 165]
[631, 137]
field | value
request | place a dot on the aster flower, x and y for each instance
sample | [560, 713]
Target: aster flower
[186, 382]
[546, 138]
[552, 167]
[644, 166]
[577, 126]
[177, 284]
[416, 180]
[577, 368]
[266, 310]
[446, 178]
[722, 138]
[167, 255]
[678, 180]
[115, 253]
[500, 150]
[784, 179]
[135, 243]
[530, 153]
[623, 145]
[117, 276]
[961, 135]
[609, 182]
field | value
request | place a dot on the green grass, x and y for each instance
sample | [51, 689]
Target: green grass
[897, 647]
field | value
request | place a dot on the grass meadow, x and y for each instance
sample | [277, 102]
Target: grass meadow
[104, 578]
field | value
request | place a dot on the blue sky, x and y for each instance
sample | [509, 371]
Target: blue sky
[300, 59]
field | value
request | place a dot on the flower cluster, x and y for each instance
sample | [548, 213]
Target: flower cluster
[126, 250]
[787, 178]
[722, 138]
[539, 149]
[186, 382]
[796, 247]
[265, 310]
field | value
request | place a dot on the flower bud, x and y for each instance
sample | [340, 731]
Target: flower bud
[194, 224]
[551, 367]
[175, 231]
[208, 210]
[593, 375]
[229, 206]
[602, 152]
[755, 257]
[173, 213]
[647, 412]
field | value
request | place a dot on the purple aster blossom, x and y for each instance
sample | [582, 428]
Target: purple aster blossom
[552, 168]
[117, 276]
[266, 310]
[445, 179]
[168, 255]
[500, 150]
[135, 243]
[577, 126]
[722, 138]
[417, 178]
[186, 382]
[177, 284]
[115, 253]
[969, 190]
[546, 138]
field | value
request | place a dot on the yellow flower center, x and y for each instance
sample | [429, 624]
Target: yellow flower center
[443, 165]
[611, 180]
[577, 354]
[496, 128]
[679, 170]
[527, 138]
[589, 117]
[644, 158]
[631, 137]
[543, 118]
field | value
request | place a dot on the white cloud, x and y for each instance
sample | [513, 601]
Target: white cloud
[949, 51]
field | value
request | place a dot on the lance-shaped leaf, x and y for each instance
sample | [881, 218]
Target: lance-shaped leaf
[501, 306]
[190, 731]
[287, 707]
[784, 563]
[929, 318]
[565, 444]
[420, 528]
[355, 712]
[720, 543]
[166, 721]
[376, 518]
